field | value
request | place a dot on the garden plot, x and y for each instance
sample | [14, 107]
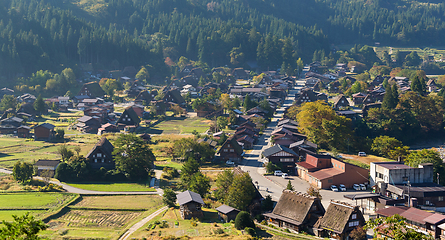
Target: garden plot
[147, 202]
[98, 219]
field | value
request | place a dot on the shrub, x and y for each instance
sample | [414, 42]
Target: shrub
[169, 197]
[263, 222]
[243, 220]
[194, 224]
[218, 231]
[250, 231]
[157, 222]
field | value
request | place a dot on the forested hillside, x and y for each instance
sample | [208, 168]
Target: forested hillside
[53, 34]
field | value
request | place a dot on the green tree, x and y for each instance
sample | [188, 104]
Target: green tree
[187, 171]
[267, 203]
[133, 156]
[382, 145]
[8, 101]
[69, 76]
[143, 74]
[248, 103]
[412, 59]
[200, 184]
[222, 122]
[39, 105]
[289, 186]
[60, 134]
[395, 227]
[243, 220]
[241, 192]
[169, 197]
[358, 233]
[415, 158]
[223, 182]
[22, 171]
[23, 227]
[64, 152]
[416, 85]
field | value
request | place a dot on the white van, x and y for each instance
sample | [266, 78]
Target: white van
[361, 154]
[285, 175]
[278, 173]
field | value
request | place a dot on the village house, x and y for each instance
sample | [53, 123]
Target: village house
[92, 90]
[231, 150]
[190, 204]
[88, 124]
[144, 98]
[10, 125]
[48, 166]
[304, 147]
[227, 213]
[287, 122]
[23, 131]
[246, 141]
[44, 131]
[339, 220]
[422, 221]
[285, 139]
[174, 96]
[296, 211]
[6, 91]
[240, 73]
[322, 171]
[101, 155]
[107, 128]
[399, 181]
[283, 156]
[340, 102]
[431, 85]
[358, 98]
[128, 118]
[27, 98]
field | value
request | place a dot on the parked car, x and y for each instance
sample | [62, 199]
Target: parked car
[342, 187]
[284, 175]
[334, 188]
[278, 173]
[356, 187]
[362, 186]
[361, 154]
[230, 163]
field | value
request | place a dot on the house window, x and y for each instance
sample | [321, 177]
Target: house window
[95, 160]
[226, 150]
[286, 159]
[228, 145]
[103, 160]
[354, 216]
[440, 198]
[99, 155]
[353, 224]
[231, 150]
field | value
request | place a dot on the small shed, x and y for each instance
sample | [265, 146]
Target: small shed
[48, 165]
[190, 204]
[227, 213]
[23, 131]
[44, 131]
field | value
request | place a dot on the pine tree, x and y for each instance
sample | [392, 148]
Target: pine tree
[388, 99]
[416, 85]
[395, 94]
[39, 105]
[289, 186]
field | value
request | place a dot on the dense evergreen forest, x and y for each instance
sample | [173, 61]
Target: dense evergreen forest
[54, 34]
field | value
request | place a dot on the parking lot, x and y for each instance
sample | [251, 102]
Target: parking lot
[302, 186]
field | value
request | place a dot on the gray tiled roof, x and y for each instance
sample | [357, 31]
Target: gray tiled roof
[189, 196]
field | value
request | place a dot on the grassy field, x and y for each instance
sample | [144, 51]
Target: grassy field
[204, 228]
[107, 217]
[114, 187]
[437, 52]
[181, 126]
[37, 203]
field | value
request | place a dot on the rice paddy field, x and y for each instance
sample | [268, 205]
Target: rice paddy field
[101, 217]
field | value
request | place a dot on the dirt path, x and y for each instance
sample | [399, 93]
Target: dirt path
[141, 223]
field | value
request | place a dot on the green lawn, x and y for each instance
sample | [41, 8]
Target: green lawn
[7, 214]
[27, 200]
[181, 126]
[113, 187]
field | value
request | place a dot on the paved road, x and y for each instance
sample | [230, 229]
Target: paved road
[141, 223]
[274, 184]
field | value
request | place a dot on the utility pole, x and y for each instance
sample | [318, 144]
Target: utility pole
[409, 202]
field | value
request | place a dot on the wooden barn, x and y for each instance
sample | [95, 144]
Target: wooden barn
[227, 213]
[190, 204]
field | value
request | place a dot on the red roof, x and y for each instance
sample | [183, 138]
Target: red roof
[435, 218]
[306, 165]
[416, 215]
[325, 173]
[391, 211]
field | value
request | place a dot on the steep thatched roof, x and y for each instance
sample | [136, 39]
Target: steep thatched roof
[95, 89]
[337, 216]
[296, 205]
[105, 146]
